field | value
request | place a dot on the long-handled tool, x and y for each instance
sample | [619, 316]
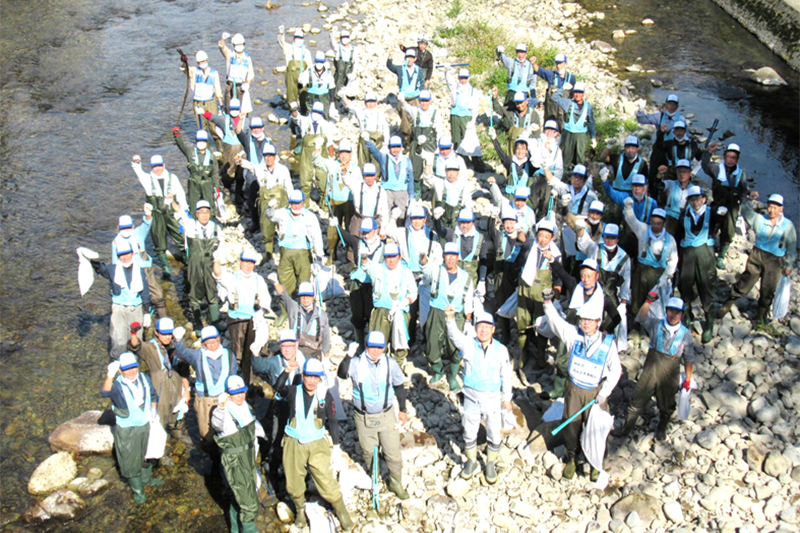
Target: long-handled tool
[451, 65]
[376, 500]
[185, 63]
[573, 417]
[711, 131]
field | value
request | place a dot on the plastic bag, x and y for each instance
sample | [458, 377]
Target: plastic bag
[156, 442]
[685, 399]
[509, 308]
[622, 330]
[658, 308]
[470, 145]
[783, 295]
[593, 441]
[399, 332]
[85, 270]
[327, 284]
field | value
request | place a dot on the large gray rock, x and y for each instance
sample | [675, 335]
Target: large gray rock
[53, 473]
[83, 435]
[602, 46]
[755, 457]
[647, 507]
[707, 439]
[673, 511]
[440, 511]
[62, 505]
[776, 464]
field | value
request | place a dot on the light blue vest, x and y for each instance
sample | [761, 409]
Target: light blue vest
[670, 133]
[477, 240]
[234, 73]
[229, 137]
[204, 89]
[245, 299]
[482, 371]
[396, 179]
[359, 274]
[461, 109]
[447, 294]
[518, 80]
[305, 429]
[516, 180]
[126, 296]
[337, 190]
[701, 238]
[317, 87]
[255, 156]
[381, 295]
[409, 84]
[413, 254]
[673, 207]
[623, 183]
[295, 236]
[213, 388]
[672, 350]
[650, 259]
[577, 125]
[586, 372]
[770, 238]
[137, 415]
[369, 392]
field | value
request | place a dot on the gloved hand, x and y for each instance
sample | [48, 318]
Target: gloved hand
[272, 278]
[492, 133]
[567, 86]
[153, 418]
[401, 96]
[395, 214]
[500, 49]
[421, 139]
[222, 399]
[365, 135]
[352, 349]
[602, 400]
[226, 35]
[148, 209]
[281, 29]
[318, 142]
[604, 172]
[438, 212]
[628, 202]
[687, 385]
[135, 327]
[652, 296]
[182, 407]
[293, 106]
[199, 110]
[722, 210]
[113, 368]
[481, 288]
[548, 295]
[565, 199]
[146, 320]
[333, 222]
[178, 333]
[272, 204]
[594, 143]
[581, 223]
[176, 130]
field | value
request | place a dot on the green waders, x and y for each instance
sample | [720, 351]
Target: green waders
[439, 344]
[293, 69]
[364, 156]
[450, 216]
[294, 268]
[551, 108]
[164, 223]
[202, 181]
[529, 306]
[645, 278]
[696, 275]
[573, 148]
[341, 70]
[268, 226]
[308, 172]
[238, 457]
[660, 377]
[130, 445]
[727, 232]
[458, 127]
[202, 285]
[414, 150]
[379, 321]
[760, 265]
[471, 268]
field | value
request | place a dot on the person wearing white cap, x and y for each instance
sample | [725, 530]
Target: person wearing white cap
[521, 72]
[556, 79]
[643, 203]
[299, 238]
[588, 227]
[673, 197]
[272, 180]
[337, 198]
[136, 238]
[212, 365]
[308, 320]
[134, 402]
[397, 174]
[424, 56]
[614, 262]
[698, 225]
[230, 171]
[394, 289]
[170, 377]
[626, 165]
[464, 103]
[774, 253]
[503, 247]
[593, 368]
[520, 172]
[311, 430]
[203, 166]
[576, 199]
[372, 121]
[681, 146]
[298, 58]
[670, 342]
[236, 432]
[545, 150]
[130, 296]
[664, 121]
[487, 389]
[451, 194]
[426, 125]
[536, 274]
[345, 58]
[657, 254]
[253, 138]
[370, 199]
[729, 189]
[517, 117]
[160, 188]
[526, 217]
[204, 241]
[471, 244]
[206, 91]
[445, 154]
[410, 81]
[378, 384]
[318, 85]
[579, 124]
[308, 129]
[239, 67]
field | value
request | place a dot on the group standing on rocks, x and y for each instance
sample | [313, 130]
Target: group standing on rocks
[489, 274]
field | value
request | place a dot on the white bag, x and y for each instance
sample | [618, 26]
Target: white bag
[85, 270]
[470, 146]
[685, 399]
[328, 285]
[247, 104]
[783, 295]
[156, 442]
[622, 329]
[399, 332]
[509, 308]
[261, 329]
[593, 441]
[658, 308]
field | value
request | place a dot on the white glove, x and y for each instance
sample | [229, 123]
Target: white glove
[178, 333]
[182, 407]
[333, 222]
[281, 29]
[225, 35]
[395, 214]
[492, 134]
[318, 142]
[272, 204]
[501, 49]
[421, 139]
[722, 210]
[272, 278]
[604, 172]
[352, 349]
[199, 110]
[567, 86]
[481, 288]
[113, 368]
[154, 415]
[641, 106]
[148, 209]
[565, 198]
[292, 106]
[628, 202]
[365, 135]
[602, 400]
[146, 320]
[222, 399]
[401, 96]
[594, 143]
[581, 223]
[438, 212]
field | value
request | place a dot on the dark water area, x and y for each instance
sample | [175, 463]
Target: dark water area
[700, 53]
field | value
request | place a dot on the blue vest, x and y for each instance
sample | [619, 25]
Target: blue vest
[137, 415]
[412, 262]
[447, 294]
[359, 274]
[246, 300]
[673, 207]
[578, 125]
[477, 240]
[586, 372]
[701, 238]
[770, 238]
[649, 258]
[516, 179]
[255, 156]
[162, 355]
[305, 429]
[672, 349]
[461, 109]
[229, 137]
[514, 250]
[409, 84]
[366, 392]
[518, 80]
[317, 87]
[126, 296]
[237, 72]
[204, 88]
[205, 381]
[382, 288]
[669, 134]
[337, 190]
[677, 156]
[396, 178]
[295, 236]
[526, 122]
[723, 178]
[580, 255]
[623, 183]
[482, 371]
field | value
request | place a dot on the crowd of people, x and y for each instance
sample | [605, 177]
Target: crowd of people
[574, 250]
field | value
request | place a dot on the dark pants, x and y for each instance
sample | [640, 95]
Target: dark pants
[575, 398]
[762, 265]
[242, 336]
[660, 376]
[697, 270]
[644, 278]
[360, 308]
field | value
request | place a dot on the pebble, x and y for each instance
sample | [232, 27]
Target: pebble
[776, 464]
[458, 488]
[633, 520]
[648, 22]
[673, 511]
[707, 439]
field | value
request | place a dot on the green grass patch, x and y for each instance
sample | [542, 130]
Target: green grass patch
[609, 124]
[455, 9]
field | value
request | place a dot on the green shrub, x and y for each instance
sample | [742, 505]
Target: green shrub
[455, 9]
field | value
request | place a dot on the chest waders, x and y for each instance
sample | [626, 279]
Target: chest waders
[278, 192]
[238, 458]
[202, 285]
[293, 69]
[201, 180]
[308, 172]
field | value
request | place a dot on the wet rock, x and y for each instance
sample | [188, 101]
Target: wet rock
[61, 505]
[766, 76]
[94, 473]
[83, 435]
[91, 487]
[618, 35]
[602, 46]
[53, 473]
[647, 507]
[776, 464]
[648, 22]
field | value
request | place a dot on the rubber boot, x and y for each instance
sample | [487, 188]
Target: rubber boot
[147, 477]
[233, 514]
[721, 258]
[343, 515]
[438, 372]
[249, 527]
[471, 467]
[722, 311]
[396, 486]
[197, 320]
[165, 268]
[594, 474]
[708, 328]
[451, 376]
[213, 314]
[569, 469]
[761, 317]
[661, 430]
[491, 474]
[625, 430]
[136, 486]
[300, 512]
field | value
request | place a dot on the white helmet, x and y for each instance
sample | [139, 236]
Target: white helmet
[201, 56]
[237, 39]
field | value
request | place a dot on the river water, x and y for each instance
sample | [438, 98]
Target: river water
[86, 85]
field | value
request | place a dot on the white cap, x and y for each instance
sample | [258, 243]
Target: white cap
[411, 52]
[466, 215]
[580, 170]
[590, 264]
[592, 310]
[694, 190]
[519, 97]
[611, 230]
[675, 303]
[299, 33]
[201, 135]
[522, 47]
[679, 124]
[522, 192]
[451, 164]
[391, 250]
[521, 139]
[376, 339]
[269, 149]
[445, 141]
[202, 204]
[344, 33]
[561, 58]
[484, 318]
[306, 288]
[395, 140]
[371, 96]
[237, 39]
[235, 384]
[547, 225]
[507, 212]
[165, 325]
[125, 222]
[775, 199]
[463, 73]
[733, 147]
[318, 107]
[208, 332]
[345, 146]
[425, 95]
[156, 161]
[287, 335]
[123, 247]
[369, 169]
[597, 205]
[235, 103]
[579, 87]
[683, 163]
[256, 122]
[416, 212]
[319, 57]
[631, 140]
[672, 98]
[450, 248]
[313, 367]
[551, 125]
[250, 255]
[639, 179]
[201, 56]
[658, 212]
[296, 197]
[127, 360]
[367, 225]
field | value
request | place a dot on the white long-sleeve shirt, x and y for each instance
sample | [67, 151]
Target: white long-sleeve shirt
[455, 87]
[279, 175]
[546, 152]
[154, 185]
[314, 235]
[229, 288]
[371, 120]
[642, 232]
[296, 53]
